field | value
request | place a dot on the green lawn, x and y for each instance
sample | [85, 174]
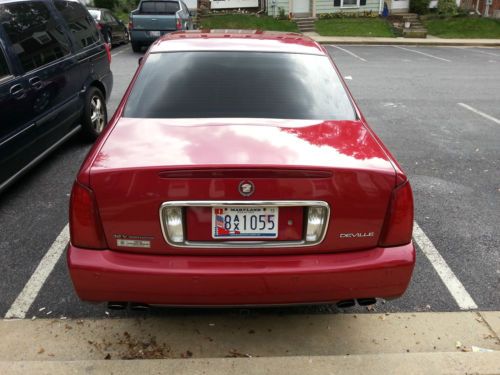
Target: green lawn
[463, 27]
[244, 21]
[354, 27]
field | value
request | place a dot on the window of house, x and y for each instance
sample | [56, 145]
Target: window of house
[81, 24]
[350, 3]
[36, 38]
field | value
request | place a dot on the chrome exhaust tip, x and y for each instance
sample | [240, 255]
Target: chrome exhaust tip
[117, 305]
[346, 303]
[139, 306]
[366, 301]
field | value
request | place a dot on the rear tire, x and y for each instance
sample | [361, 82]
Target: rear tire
[136, 47]
[108, 40]
[95, 115]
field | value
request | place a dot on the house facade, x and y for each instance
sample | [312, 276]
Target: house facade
[314, 8]
[489, 8]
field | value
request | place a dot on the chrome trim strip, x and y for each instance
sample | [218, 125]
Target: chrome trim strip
[38, 158]
[245, 244]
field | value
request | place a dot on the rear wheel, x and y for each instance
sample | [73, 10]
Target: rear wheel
[95, 115]
[136, 47]
[126, 37]
[108, 40]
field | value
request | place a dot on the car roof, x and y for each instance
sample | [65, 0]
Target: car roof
[236, 40]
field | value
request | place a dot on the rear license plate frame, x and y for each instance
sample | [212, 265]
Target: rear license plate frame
[246, 222]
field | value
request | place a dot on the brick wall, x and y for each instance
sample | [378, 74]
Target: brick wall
[495, 6]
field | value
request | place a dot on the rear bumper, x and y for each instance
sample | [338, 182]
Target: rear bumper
[143, 37]
[240, 280]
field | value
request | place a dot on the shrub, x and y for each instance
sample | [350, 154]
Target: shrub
[447, 8]
[420, 6]
[366, 13]
[281, 14]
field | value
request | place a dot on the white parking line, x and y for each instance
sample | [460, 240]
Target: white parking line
[25, 299]
[422, 53]
[456, 288]
[479, 51]
[121, 51]
[348, 52]
[485, 115]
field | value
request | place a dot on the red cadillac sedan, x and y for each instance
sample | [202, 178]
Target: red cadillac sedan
[238, 170]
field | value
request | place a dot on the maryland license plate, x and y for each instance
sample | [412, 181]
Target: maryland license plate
[245, 222]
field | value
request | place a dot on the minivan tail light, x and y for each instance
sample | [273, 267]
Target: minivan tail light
[398, 225]
[130, 25]
[108, 51]
[84, 221]
[178, 24]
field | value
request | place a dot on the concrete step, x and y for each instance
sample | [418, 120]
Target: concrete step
[393, 363]
[221, 333]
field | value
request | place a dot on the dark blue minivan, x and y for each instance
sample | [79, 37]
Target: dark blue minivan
[55, 79]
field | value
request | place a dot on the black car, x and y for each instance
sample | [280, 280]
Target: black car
[55, 79]
[112, 29]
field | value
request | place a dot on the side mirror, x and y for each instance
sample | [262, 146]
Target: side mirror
[140, 60]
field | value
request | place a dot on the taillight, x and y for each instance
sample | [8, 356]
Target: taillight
[398, 225]
[108, 51]
[84, 222]
[130, 25]
[99, 26]
[178, 24]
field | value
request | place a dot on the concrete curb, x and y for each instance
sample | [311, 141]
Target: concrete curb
[261, 334]
[407, 41]
[408, 364]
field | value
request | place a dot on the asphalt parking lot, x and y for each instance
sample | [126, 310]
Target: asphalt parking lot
[436, 108]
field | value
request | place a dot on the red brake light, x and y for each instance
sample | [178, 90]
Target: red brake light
[130, 25]
[398, 225]
[99, 26]
[178, 24]
[84, 222]
[108, 51]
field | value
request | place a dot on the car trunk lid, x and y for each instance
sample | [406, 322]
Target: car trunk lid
[145, 163]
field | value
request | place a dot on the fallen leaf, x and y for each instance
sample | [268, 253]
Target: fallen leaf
[41, 350]
[108, 356]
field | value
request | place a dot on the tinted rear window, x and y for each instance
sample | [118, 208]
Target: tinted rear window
[159, 7]
[238, 84]
[80, 23]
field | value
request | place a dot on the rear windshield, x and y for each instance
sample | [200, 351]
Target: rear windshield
[238, 84]
[96, 14]
[159, 7]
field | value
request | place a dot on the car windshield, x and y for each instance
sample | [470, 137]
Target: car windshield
[159, 7]
[95, 13]
[238, 84]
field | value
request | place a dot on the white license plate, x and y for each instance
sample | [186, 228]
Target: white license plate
[154, 33]
[245, 222]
